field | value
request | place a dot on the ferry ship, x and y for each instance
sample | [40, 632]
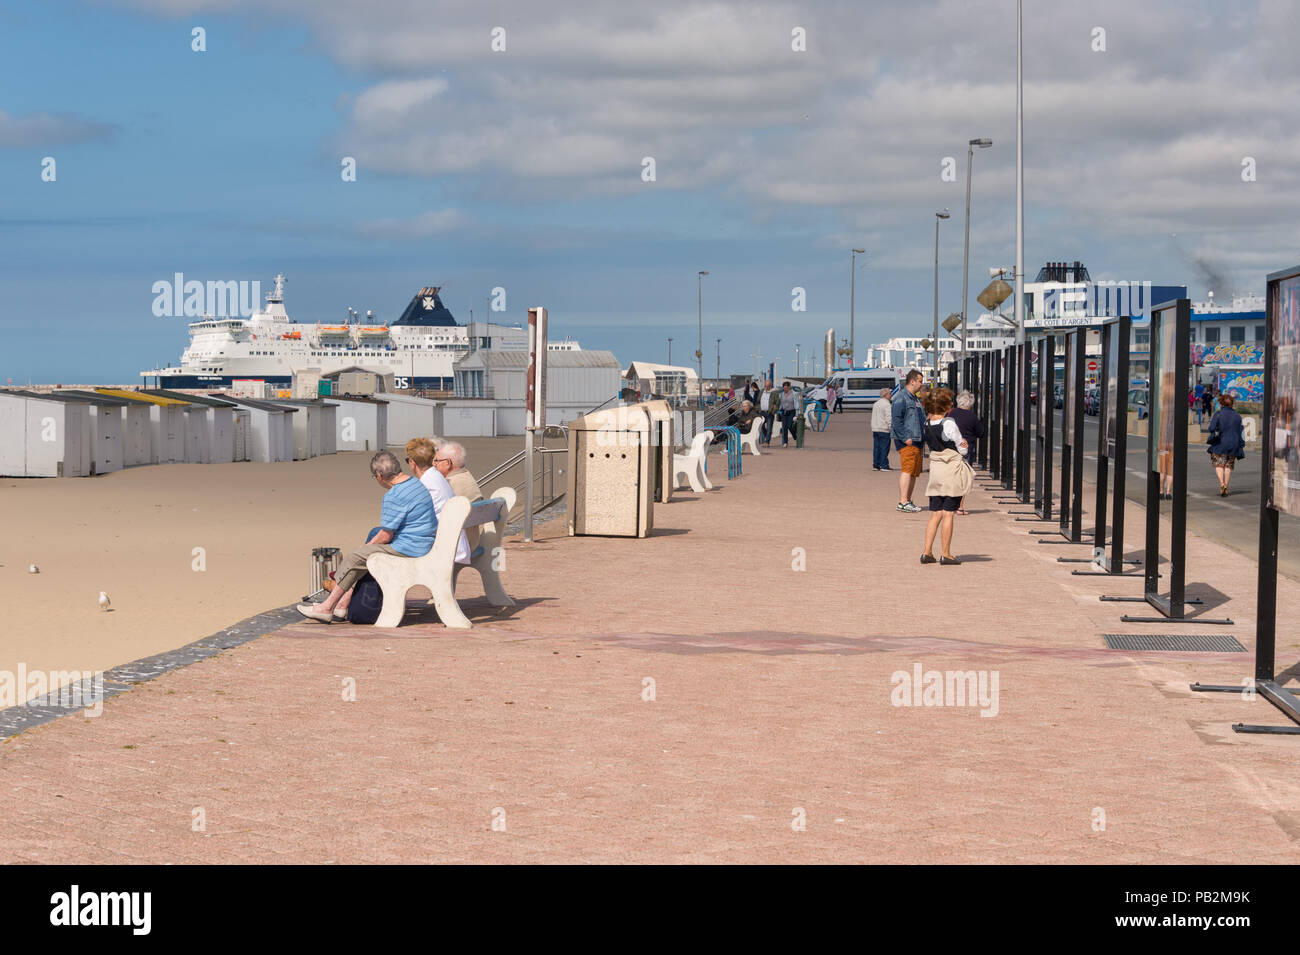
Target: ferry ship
[419, 349]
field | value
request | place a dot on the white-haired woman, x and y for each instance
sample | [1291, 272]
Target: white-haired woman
[971, 427]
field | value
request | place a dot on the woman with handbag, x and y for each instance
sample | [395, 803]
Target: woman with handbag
[1227, 443]
[951, 478]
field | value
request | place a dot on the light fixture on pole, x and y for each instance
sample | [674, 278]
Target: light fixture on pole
[853, 274]
[717, 371]
[670, 349]
[937, 217]
[699, 344]
[965, 268]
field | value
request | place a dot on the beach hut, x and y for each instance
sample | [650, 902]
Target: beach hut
[210, 434]
[411, 417]
[104, 427]
[168, 427]
[362, 423]
[268, 430]
[136, 429]
[43, 436]
[329, 428]
[307, 427]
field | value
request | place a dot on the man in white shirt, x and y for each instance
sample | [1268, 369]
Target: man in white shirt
[881, 420]
[420, 454]
[767, 405]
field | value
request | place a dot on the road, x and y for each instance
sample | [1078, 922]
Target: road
[1233, 521]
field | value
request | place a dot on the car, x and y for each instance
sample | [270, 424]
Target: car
[857, 389]
[1139, 401]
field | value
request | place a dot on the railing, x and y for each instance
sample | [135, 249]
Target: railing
[548, 487]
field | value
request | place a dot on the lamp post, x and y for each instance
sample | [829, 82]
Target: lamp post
[796, 359]
[699, 345]
[853, 275]
[937, 217]
[717, 371]
[670, 349]
[965, 269]
[1020, 185]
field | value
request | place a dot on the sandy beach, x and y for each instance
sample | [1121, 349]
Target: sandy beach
[182, 550]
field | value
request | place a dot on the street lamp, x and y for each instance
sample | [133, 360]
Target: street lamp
[853, 274]
[699, 345]
[670, 349]
[717, 372]
[1020, 183]
[965, 269]
[796, 359]
[937, 217]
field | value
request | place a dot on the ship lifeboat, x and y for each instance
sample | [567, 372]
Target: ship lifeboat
[332, 329]
[292, 336]
[372, 331]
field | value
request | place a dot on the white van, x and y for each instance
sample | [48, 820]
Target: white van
[859, 388]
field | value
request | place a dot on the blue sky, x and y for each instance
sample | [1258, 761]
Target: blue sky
[521, 168]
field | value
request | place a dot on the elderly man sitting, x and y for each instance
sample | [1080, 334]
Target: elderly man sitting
[743, 421]
[407, 525]
[450, 462]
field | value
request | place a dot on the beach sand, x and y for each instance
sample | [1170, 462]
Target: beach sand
[135, 534]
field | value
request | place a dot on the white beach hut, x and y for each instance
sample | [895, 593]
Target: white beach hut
[306, 429]
[268, 432]
[411, 417]
[104, 421]
[362, 423]
[42, 436]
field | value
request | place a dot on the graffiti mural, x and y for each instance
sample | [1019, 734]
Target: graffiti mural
[1244, 385]
[1228, 353]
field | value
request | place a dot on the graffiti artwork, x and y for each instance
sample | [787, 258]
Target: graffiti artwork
[1245, 385]
[1228, 353]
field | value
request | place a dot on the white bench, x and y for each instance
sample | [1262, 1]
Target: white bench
[438, 569]
[751, 437]
[689, 468]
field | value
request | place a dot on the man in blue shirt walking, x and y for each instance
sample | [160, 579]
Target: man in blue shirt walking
[906, 426]
[407, 526]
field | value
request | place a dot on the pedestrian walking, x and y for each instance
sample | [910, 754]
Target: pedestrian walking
[767, 407]
[951, 477]
[787, 408]
[881, 412]
[971, 427]
[907, 428]
[1227, 442]
[830, 399]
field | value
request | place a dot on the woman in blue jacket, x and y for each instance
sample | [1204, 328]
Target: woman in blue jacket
[1227, 443]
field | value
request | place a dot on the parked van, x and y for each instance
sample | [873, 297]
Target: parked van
[859, 388]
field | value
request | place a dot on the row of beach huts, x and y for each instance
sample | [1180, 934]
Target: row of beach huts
[82, 432]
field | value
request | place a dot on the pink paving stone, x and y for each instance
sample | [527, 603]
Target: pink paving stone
[773, 692]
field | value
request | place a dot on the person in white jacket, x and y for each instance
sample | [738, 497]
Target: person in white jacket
[881, 419]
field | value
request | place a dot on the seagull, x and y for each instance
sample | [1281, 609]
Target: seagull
[103, 600]
[33, 569]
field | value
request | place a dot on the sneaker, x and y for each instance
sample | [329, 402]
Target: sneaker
[909, 508]
[313, 612]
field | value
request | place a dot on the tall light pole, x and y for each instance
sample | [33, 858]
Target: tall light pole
[796, 359]
[1020, 184]
[699, 345]
[670, 349]
[717, 372]
[853, 275]
[965, 268]
[937, 217]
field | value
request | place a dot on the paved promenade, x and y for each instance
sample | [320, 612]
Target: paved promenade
[772, 735]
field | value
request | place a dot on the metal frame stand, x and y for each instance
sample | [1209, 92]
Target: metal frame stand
[1171, 318]
[1265, 682]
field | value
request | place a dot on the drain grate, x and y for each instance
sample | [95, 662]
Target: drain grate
[1173, 642]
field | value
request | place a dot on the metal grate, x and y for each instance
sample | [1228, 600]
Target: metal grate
[1173, 642]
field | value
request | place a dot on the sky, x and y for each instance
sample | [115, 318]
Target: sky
[1161, 144]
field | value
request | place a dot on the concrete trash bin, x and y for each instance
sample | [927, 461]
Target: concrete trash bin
[611, 479]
